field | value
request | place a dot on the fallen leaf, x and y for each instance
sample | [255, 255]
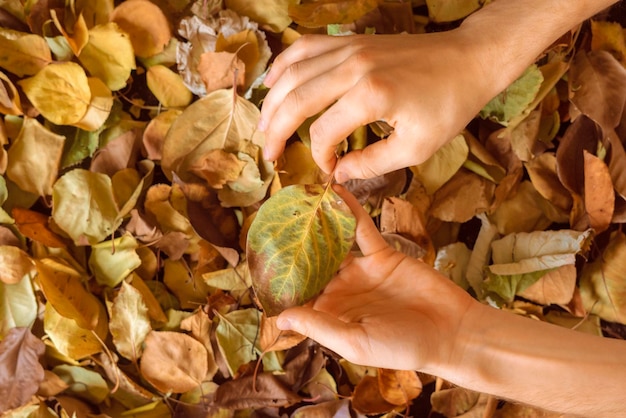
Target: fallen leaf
[399, 387]
[609, 36]
[461, 198]
[18, 306]
[10, 103]
[112, 261]
[263, 390]
[273, 339]
[448, 11]
[599, 194]
[83, 383]
[441, 166]
[20, 370]
[270, 14]
[129, 323]
[367, 399]
[325, 12]
[292, 260]
[23, 53]
[167, 86]
[555, 287]
[146, 24]
[60, 92]
[173, 362]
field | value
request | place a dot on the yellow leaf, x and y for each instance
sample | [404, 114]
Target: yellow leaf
[451, 10]
[109, 55]
[599, 193]
[16, 264]
[64, 289]
[296, 166]
[60, 92]
[34, 158]
[270, 14]
[99, 108]
[168, 87]
[79, 36]
[70, 339]
[609, 36]
[190, 289]
[154, 308]
[146, 24]
[112, 261]
[129, 322]
[173, 361]
[23, 53]
[95, 12]
[327, 12]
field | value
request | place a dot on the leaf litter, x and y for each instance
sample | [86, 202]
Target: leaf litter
[139, 228]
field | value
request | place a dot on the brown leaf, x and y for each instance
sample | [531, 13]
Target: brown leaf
[555, 287]
[582, 135]
[217, 167]
[146, 24]
[373, 191]
[20, 370]
[598, 85]
[542, 172]
[461, 198]
[617, 164]
[599, 195]
[367, 398]
[302, 363]
[122, 152]
[399, 387]
[173, 361]
[35, 225]
[261, 391]
[400, 217]
[326, 12]
[219, 69]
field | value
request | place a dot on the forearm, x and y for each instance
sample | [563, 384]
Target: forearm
[540, 364]
[513, 33]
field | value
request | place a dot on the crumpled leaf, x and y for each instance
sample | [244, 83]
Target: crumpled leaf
[220, 70]
[146, 24]
[109, 55]
[20, 370]
[602, 285]
[10, 103]
[129, 323]
[515, 99]
[77, 37]
[35, 157]
[60, 92]
[18, 306]
[23, 53]
[225, 122]
[173, 361]
[263, 390]
[84, 207]
[326, 12]
[519, 260]
[598, 84]
[296, 243]
[167, 86]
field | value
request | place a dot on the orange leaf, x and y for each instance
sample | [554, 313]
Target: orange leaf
[34, 225]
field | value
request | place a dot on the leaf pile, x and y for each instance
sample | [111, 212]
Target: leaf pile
[131, 171]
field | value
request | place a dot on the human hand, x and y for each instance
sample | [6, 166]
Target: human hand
[427, 87]
[383, 309]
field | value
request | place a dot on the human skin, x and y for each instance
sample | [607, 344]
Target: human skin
[385, 309]
[428, 87]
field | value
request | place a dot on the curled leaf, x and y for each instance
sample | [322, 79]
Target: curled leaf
[296, 243]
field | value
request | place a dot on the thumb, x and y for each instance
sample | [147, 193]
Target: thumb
[319, 326]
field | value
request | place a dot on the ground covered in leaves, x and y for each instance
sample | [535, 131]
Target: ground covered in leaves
[132, 169]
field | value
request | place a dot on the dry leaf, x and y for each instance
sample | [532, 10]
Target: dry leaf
[599, 195]
[173, 362]
[220, 70]
[146, 24]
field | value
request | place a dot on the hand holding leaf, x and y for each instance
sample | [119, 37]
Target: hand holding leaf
[296, 243]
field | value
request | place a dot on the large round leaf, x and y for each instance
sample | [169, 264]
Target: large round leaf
[296, 243]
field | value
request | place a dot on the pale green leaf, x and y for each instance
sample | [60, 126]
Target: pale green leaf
[515, 99]
[296, 243]
[112, 261]
[18, 306]
[34, 158]
[442, 165]
[86, 384]
[238, 340]
[129, 323]
[523, 258]
[84, 207]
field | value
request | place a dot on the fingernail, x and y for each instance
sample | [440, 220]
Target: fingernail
[341, 177]
[283, 323]
[261, 125]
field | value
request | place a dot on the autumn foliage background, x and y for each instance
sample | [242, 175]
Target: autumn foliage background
[132, 169]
